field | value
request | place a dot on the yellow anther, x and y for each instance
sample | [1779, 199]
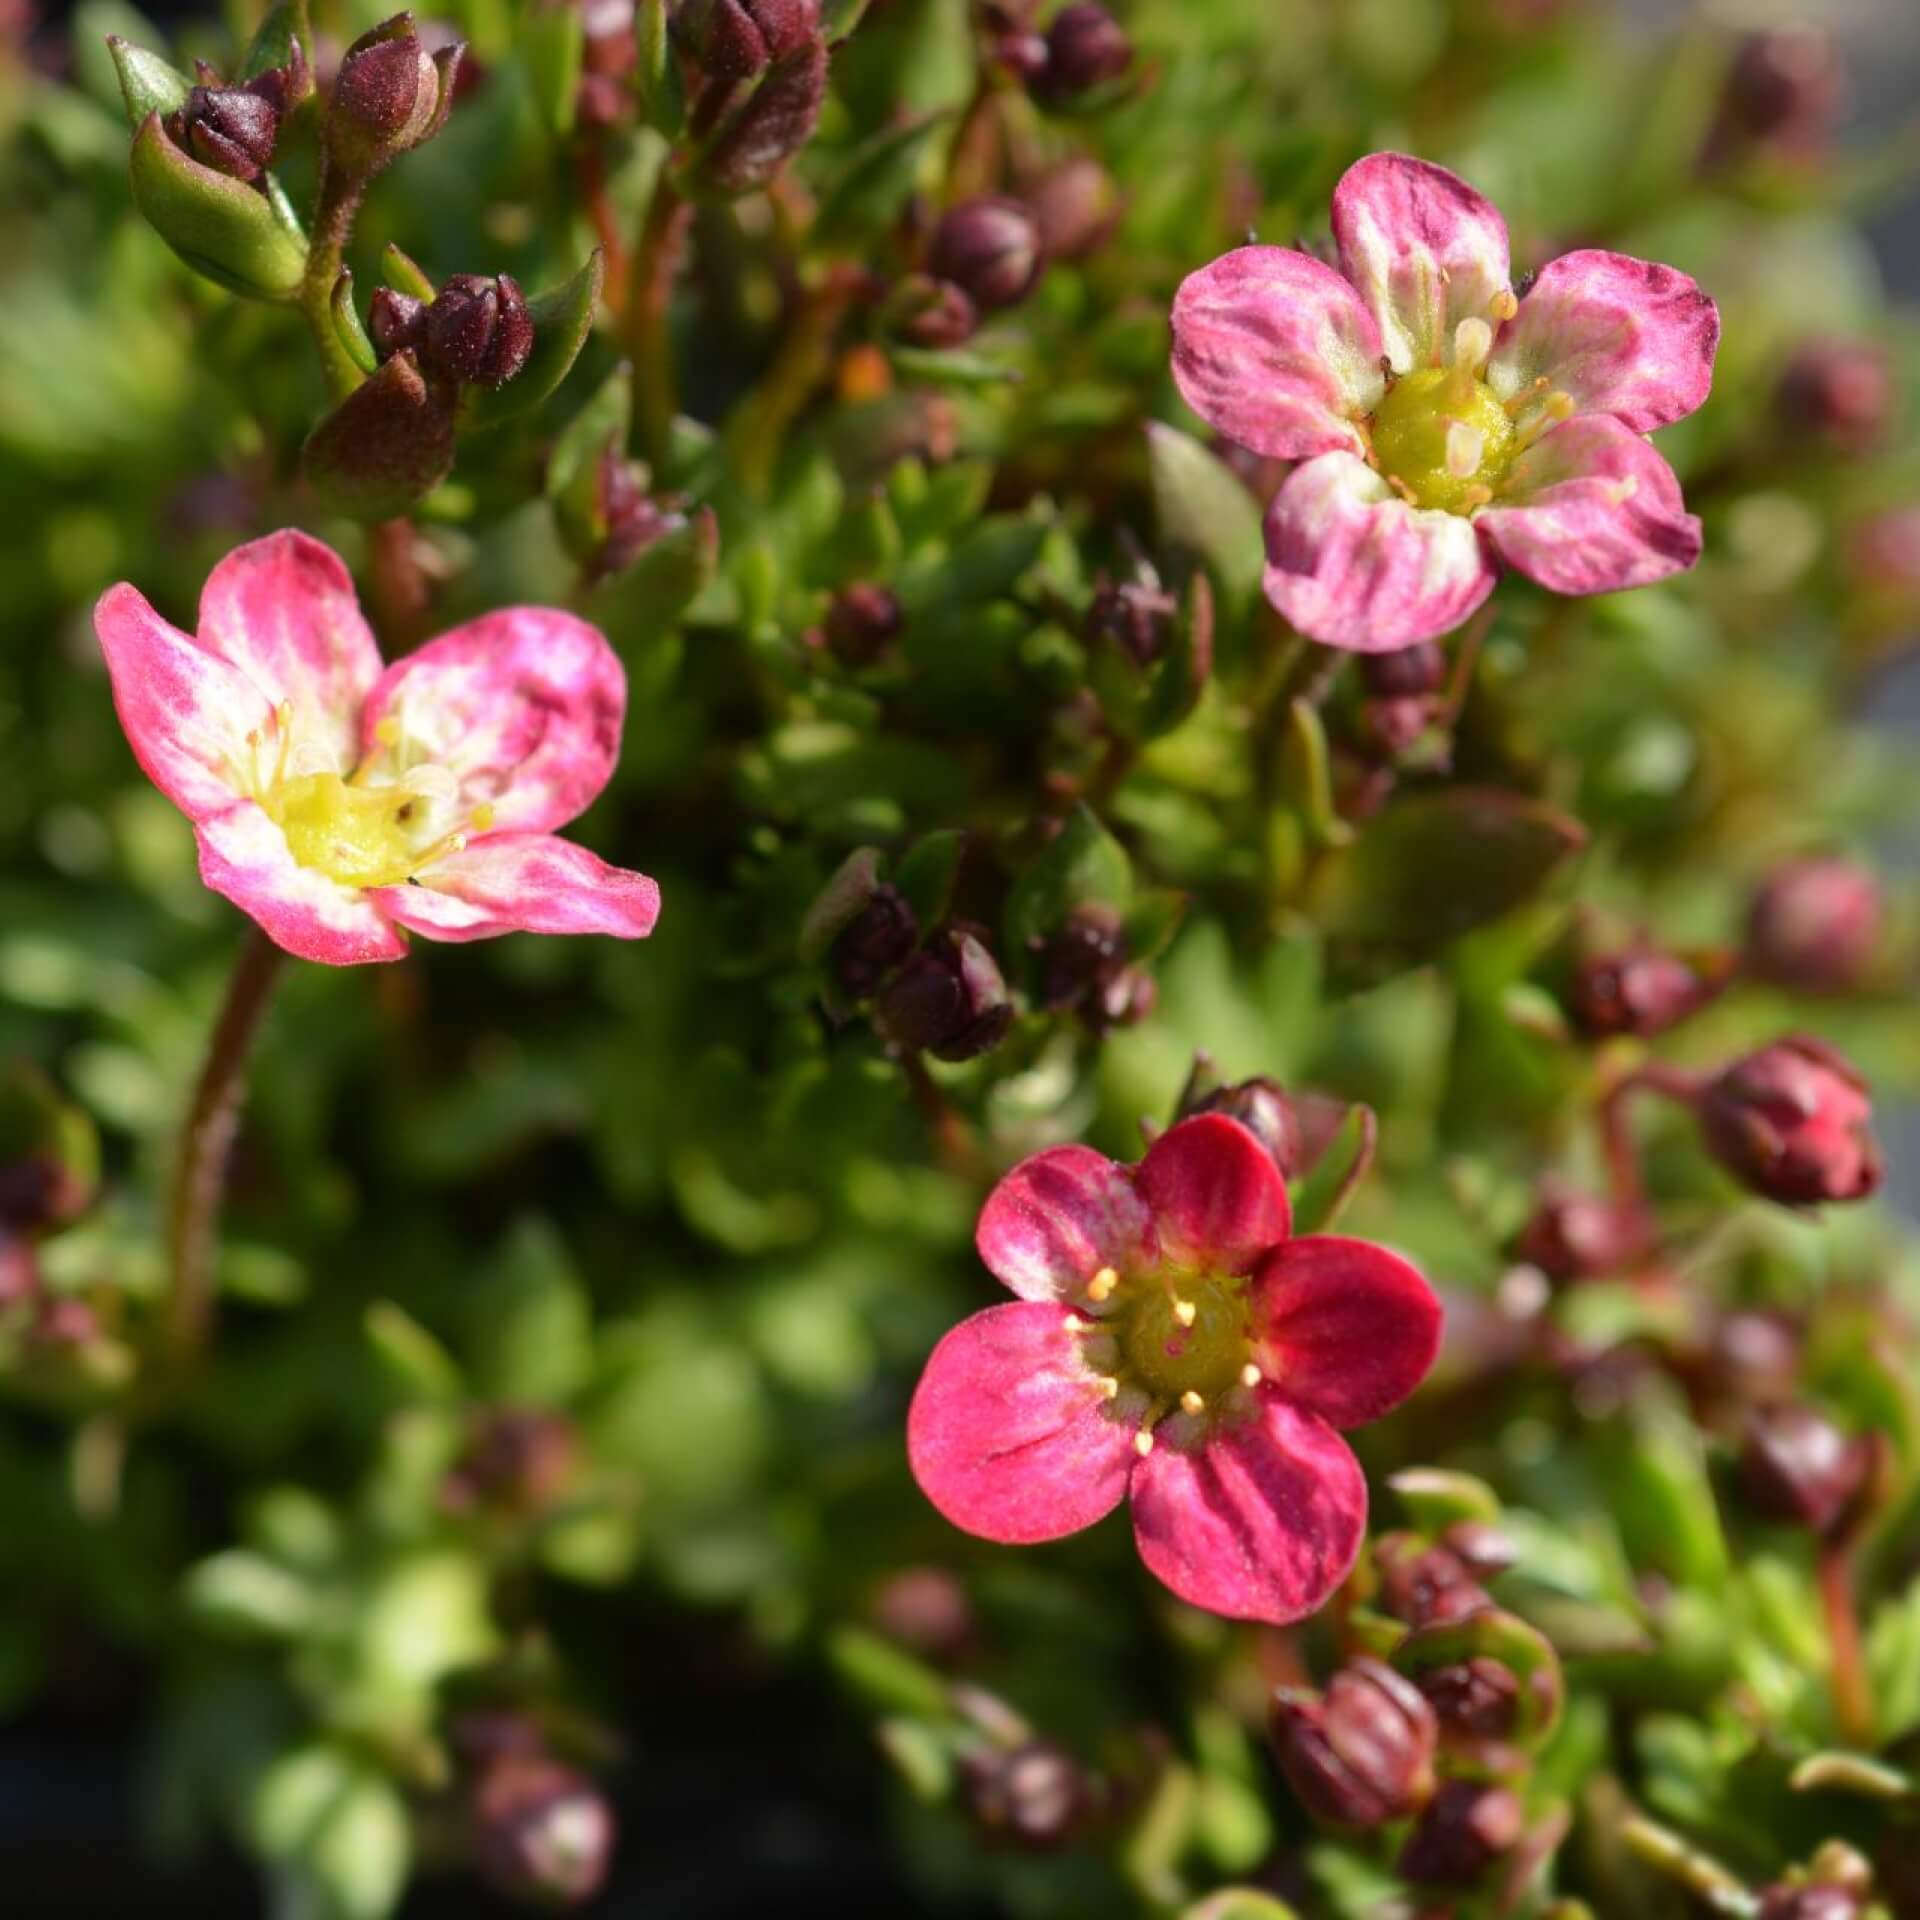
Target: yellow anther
[1109, 1387]
[284, 713]
[1143, 1443]
[1476, 496]
[1100, 1287]
[482, 816]
[1250, 1375]
[1504, 306]
[1466, 448]
[1527, 395]
[1192, 1402]
[1185, 1312]
[386, 730]
[1472, 343]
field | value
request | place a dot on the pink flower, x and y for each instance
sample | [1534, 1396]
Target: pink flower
[337, 802]
[1171, 1342]
[1444, 427]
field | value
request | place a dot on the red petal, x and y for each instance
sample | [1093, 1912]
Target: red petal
[1262, 1522]
[1058, 1218]
[1345, 1329]
[1217, 1198]
[1010, 1435]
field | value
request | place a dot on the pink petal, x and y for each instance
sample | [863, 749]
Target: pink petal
[1276, 351]
[243, 855]
[1423, 248]
[524, 706]
[283, 611]
[1217, 1198]
[523, 883]
[1058, 1218]
[1260, 1522]
[1591, 508]
[185, 713]
[1345, 1329]
[1010, 1435]
[1616, 335]
[1352, 565]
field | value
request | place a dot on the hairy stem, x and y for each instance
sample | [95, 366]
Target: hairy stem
[335, 208]
[213, 1117]
[655, 266]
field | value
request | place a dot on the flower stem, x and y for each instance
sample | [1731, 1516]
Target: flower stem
[952, 1137]
[650, 277]
[1852, 1695]
[335, 207]
[1466, 660]
[213, 1118]
[760, 430]
[1616, 1139]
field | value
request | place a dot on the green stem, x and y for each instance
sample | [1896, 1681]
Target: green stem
[760, 430]
[213, 1118]
[333, 216]
[644, 322]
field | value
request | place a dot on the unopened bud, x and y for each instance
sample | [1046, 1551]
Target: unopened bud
[1800, 1470]
[1389, 727]
[1083, 958]
[541, 1830]
[757, 71]
[1464, 1831]
[1406, 671]
[1753, 1355]
[1262, 1107]
[990, 250]
[926, 1609]
[1137, 616]
[1808, 1903]
[1363, 1754]
[19, 1274]
[628, 519]
[877, 940]
[229, 129]
[1076, 207]
[1478, 1698]
[949, 1000]
[1425, 1585]
[517, 1460]
[1580, 1236]
[1839, 392]
[932, 313]
[1792, 1122]
[386, 445]
[395, 320]
[478, 330]
[1641, 990]
[1816, 924]
[49, 1155]
[391, 95]
[862, 622]
[1784, 87]
[1086, 48]
[1036, 1794]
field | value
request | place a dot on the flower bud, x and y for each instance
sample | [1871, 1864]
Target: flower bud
[990, 250]
[1262, 1107]
[49, 1156]
[1086, 47]
[1808, 1903]
[1361, 1756]
[517, 1460]
[1083, 958]
[1640, 990]
[863, 621]
[1753, 1355]
[1137, 616]
[949, 1000]
[541, 1830]
[391, 95]
[629, 519]
[932, 313]
[1390, 727]
[879, 938]
[479, 330]
[1465, 1829]
[925, 1609]
[1784, 88]
[1800, 1470]
[1406, 671]
[1839, 392]
[1425, 1585]
[388, 444]
[1036, 1794]
[1482, 1547]
[395, 320]
[228, 129]
[1578, 1236]
[757, 74]
[1075, 206]
[1478, 1698]
[1791, 1123]
[1815, 925]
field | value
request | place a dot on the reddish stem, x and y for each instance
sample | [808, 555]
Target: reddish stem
[590, 164]
[1616, 1137]
[1852, 1694]
[952, 1137]
[650, 276]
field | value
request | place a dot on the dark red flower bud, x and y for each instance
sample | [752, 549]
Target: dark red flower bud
[1390, 727]
[1478, 1698]
[728, 41]
[395, 320]
[1262, 1107]
[1578, 1236]
[390, 95]
[1792, 1123]
[1640, 990]
[1363, 1754]
[478, 330]
[1841, 393]
[1785, 86]
[1137, 616]
[1465, 1829]
[927, 312]
[228, 129]
[1036, 1794]
[1076, 207]
[990, 250]
[863, 621]
[19, 1273]
[1483, 1548]
[949, 1000]
[1024, 55]
[1127, 999]
[1425, 1585]
[1883, 554]
[1753, 1355]
[1809, 1903]
[1083, 958]
[1800, 1470]
[541, 1831]
[758, 74]
[927, 1609]
[878, 939]
[1407, 670]
[1086, 47]
[49, 1156]
[516, 1460]
[1816, 924]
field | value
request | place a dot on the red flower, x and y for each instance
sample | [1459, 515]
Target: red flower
[1171, 1342]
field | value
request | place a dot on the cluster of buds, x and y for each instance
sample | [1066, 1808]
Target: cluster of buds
[1642, 989]
[756, 75]
[1404, 697]
[1426, 1582]
[476, 330]
[235, 129]
[985, 254]
[949, 998]
[1084, 967]
[1074, 62]
[1815, 925]
[538, 1829]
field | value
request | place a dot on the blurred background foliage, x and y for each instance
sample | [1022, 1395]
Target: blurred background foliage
[573, 1292]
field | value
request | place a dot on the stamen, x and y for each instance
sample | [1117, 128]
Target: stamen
[1503, 305]
[1527, 395]
[1555, 408]
[283, 715]
[1100, 1287]
[1143, 1442]
[1191, 1402]
[1478, 495]
[1250, 1375]
[1466, 447]
[1472, 343]
[1185, 1312]
[481, 819]
[1109, 1386]
[386, 731]
[1400, 487]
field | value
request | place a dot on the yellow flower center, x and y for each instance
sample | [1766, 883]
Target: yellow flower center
[1168, 1353]
[1444, 437]
[357, 835]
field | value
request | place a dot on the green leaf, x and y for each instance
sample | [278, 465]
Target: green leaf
[647, 599]
[1855, 1774]
[927, 873]
[1203, 508]
[1083, 866]
[886, 1676]
[839, 902]
[1438, 1499]
[346, 324]
[1321, 1194]
[273, 42]
[1306, 776]
[339, 1831]
[148, 83]
[656, 73]
[245, 1595]
[529, 1325]
[552, 40]
[838, 18]
[405, 275]
[872, 188]
[562, 319]
[1238, 1903]
[411, 1355]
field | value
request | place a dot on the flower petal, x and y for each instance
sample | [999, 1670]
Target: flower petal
[185, 713]
[523, 883]
[1010, 1435]
[1423, 248]
[1058, 1218]
[1344, 1329]
[1616, 335]
[1352, 565]
[283, 611]
[1217, 1197]
[243, 855]
[1275, 350]
[1259, 1522]
[524, 706]
[1591, 508]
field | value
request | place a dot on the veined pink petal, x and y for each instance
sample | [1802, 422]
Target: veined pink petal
[1010, 1435]
[185, 713]
[283, 611]
[1276, 351]
[525, 707]
[1352, 565]
[243, 855]
[1058, 1218]
[1217, 1198]
[1591, 508]
[1261, 1522]
[1616, 335]
[1423, 248]
[1343, 1328]
[523, 883]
